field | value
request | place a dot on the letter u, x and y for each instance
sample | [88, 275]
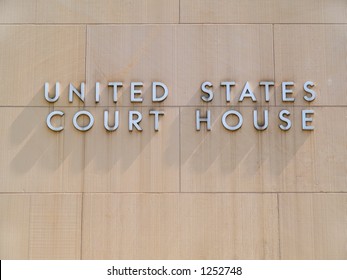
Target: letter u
[106, 121]
[266, 120]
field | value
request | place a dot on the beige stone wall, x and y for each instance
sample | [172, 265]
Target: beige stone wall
[177, 193]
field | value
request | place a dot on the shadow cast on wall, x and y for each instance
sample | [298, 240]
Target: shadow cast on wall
[244, 152]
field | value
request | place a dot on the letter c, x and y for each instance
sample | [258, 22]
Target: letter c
[49, 123]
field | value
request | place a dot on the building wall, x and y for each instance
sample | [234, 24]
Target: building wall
[177, 193]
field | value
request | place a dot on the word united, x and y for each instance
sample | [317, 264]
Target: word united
[232, 120]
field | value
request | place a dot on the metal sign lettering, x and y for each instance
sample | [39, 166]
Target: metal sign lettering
[232, 120]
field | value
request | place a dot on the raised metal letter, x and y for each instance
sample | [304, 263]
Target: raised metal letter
[116, 121]
[155, 98]
[208, 91]
[235, 127]
[57, 92]
[285, 91]
[73, 90]
[135, 122]
[97, 92]
[284, 119]
[267, 89]
[156, 118]
[83, 128]
[49, 122]
[247, 92]
[266, 120]
[115, 86]
[134, 92]
[228, 89]
[207, 119]
[307, 88]
[306, 119]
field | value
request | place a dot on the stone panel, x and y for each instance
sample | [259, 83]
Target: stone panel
[131, 53]
[265, 11]
[36, 159]
[32, 55]
[219, 53]
[40, 226]
[18, 11]
[180, 226]
[313, 226]
[182, 57]
[104, 11]
[248, 160]
[91, 11]
[312, 53]
[136, 161]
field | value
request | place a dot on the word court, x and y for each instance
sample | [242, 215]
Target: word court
[231, 119]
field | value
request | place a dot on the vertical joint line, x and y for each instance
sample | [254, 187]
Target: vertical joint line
[279, 227]
[85, 59]
[36, 14]
[179, 147]
[179, 11]
[84, 143]
[273, 58]
[29, 230]
[81, 250]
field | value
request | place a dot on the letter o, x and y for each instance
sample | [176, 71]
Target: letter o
[83, 128]
[235, 127]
